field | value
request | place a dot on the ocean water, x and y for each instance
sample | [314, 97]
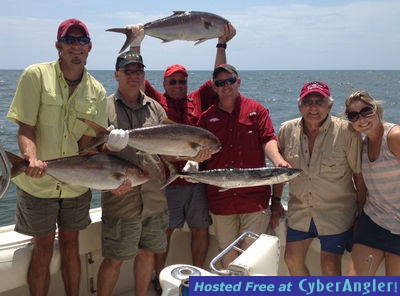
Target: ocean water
[277, 90]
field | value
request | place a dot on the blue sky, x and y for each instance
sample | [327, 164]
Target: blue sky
[271, 35]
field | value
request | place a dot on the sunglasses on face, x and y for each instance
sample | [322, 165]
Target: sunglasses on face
[72, 40]
[320, 102]
[179, 81]
[133, 72]
[228, 81]
[364, 112]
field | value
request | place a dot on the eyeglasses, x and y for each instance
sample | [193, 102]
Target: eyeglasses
[364, 112]
[72, 40]
[228, 81]
[319, 102]
[179, 81]
[133, 72]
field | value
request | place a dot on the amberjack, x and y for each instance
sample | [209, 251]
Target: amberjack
[181, 25]
[98, 171]
[180, 140]
[236, 177]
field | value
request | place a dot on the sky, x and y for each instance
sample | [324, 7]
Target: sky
[271, 34]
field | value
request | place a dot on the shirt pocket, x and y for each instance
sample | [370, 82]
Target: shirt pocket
[333, 165]
[50, 109]
[83, 108]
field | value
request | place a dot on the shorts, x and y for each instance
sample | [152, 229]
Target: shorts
[122, 237]
[188, 203]
[41, 216]
[335, 243]
[230, 227]
[369, 233]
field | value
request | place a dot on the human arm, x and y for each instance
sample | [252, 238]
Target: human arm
[393, 140]
[361, 189]
[277, 210]
[272, 152]
[138, 32]
[229, 33]
[27, 145]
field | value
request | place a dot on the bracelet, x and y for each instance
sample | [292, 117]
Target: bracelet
[223, 45]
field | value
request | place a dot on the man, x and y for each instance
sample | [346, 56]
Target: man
[48, 100]
[247, 136]
[133, 218]
[186, 201]
[323, 199]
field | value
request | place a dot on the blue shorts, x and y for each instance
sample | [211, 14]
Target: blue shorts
[188, 203]
[335, 243]
[369, 233]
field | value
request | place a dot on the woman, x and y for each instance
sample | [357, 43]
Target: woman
[377, 235]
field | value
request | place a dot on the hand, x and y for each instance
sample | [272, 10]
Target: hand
[117, 139]
[277, 212]
[138, 32]
[191, 166]
[37, 168]
[229, 33]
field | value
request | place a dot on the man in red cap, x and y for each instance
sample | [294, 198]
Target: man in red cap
[186, 201]
[49, 99]
[323, 199]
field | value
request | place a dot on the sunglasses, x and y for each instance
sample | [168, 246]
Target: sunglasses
[72, 40]
[308, 103]
[228, 81]
[133, 72]
[179, 81]
[364, 112]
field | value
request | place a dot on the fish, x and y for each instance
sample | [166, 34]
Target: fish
[196, 26]
[5, 177]
[230, 178]
[98, 171]
[179, 140]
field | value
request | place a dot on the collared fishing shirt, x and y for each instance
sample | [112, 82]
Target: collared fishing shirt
[242, 134]
[147, 199]
[324, 191]
[42, 100]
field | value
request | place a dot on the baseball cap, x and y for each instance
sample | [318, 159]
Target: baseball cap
[66, 25]
[226, 68]
[315, 87]
[127, 58]
[175, 68]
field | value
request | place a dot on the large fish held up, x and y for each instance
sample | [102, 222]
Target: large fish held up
[98, 171]
[236, 177]
[180, 140]
[181, 25]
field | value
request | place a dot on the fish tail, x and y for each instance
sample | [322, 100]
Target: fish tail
[129, 36]
[171, 179]
[18, 164]
[172, 170]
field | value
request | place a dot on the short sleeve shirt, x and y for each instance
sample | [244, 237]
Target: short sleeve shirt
[242, 134]
[42, 100]
[147, 199]
[324, 191]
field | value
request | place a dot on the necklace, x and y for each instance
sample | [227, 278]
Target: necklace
[72, 82]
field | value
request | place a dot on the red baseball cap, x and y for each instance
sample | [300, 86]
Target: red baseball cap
[175, 68]
[66, 25]
[315, 87]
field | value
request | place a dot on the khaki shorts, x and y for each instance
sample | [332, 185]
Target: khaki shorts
[230, 227]
[39, 216]
[122, 237]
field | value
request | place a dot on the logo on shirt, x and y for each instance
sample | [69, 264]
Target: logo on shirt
[215, 119]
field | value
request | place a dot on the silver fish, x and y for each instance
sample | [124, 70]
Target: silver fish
[178, 140]
[236, 178]
[98, 171]
[181, 25]
[5, 177]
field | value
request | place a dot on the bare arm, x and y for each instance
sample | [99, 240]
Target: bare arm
[272, 152]
[361, 191]
[27, 146]
[229, 33]
[394, 141]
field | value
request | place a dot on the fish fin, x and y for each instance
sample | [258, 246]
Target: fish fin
[19, 164]
[223, 189]
[200, 41]
[172, 170]
[129, 36]
[165, 40]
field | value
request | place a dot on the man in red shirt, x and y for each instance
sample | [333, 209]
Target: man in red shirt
[247, 136]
